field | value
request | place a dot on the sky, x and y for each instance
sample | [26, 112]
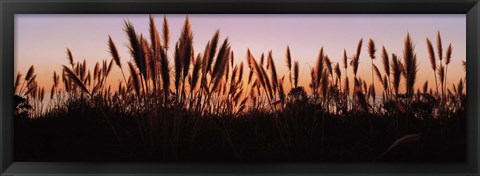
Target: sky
[42, 39]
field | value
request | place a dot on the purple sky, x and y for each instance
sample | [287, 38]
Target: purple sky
[41, 40]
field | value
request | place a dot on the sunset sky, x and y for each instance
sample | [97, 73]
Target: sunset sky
[41, 40]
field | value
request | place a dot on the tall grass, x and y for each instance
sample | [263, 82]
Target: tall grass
[210, 93]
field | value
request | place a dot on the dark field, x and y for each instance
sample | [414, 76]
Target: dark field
[298, 134]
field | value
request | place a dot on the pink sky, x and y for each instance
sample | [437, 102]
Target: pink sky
[41, 40]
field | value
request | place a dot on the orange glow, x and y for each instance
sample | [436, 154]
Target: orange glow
[47, 52]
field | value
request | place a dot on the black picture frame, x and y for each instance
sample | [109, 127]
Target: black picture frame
[8, 8]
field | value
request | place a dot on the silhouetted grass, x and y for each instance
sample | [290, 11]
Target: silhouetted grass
[211, 113]
[293, 135]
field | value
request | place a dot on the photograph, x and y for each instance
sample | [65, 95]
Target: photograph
[240, 88]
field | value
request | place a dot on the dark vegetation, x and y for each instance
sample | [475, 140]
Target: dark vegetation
[203, 109]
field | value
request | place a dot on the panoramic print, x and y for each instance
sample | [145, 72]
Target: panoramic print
[205, 88]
